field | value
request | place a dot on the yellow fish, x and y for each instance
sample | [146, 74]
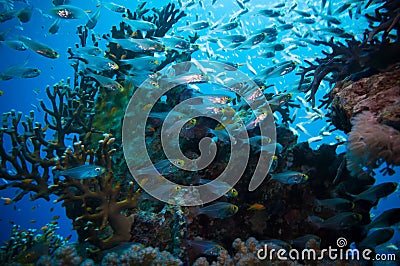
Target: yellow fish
[7, 201]
[256, 207]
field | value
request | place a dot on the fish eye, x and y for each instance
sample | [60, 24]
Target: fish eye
[97, 169]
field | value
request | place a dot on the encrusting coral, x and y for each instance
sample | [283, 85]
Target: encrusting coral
[369, 109]
[378, 94]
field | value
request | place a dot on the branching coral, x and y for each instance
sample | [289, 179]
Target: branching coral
[337, 62]
[23, 165]
[101, 201]
[107, 210]
[388, 16]
[354, 60]
[163, 18]
[102, 208]
[32, 154]
[166, 18]
[71, 112]
[357, 59]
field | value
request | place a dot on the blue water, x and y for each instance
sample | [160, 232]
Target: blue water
[19, 93]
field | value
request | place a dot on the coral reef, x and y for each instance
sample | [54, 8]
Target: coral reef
[378, 94]
[163, 18]
[100, 201]
[103, 208]
[388, 16]
[65, 255]
[118, 224]
[32, 154]
[136, 254]
[26, 246]
[369, 109]
[357, 59]
[354, 61]
[248, 253]
[365, 74]
[123, 254]
[71, 113]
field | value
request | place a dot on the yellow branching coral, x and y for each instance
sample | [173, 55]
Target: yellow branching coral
[99, 206]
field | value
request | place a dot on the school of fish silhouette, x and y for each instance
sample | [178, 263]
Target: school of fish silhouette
[137, 152]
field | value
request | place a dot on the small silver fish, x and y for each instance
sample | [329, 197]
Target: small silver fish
[113, 7]
[97, 63]
[142, 25]
[55, 26]
[19, 72]
[25, 14]
[199, 25]
[205, 247]
[68, 12]
[15, 44]
[106, 82]
[82, 172]
[164, 167]
[290, 177]
[39, 48]
[219, 210]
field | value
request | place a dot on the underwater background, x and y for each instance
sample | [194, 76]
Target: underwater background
[276, 43]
